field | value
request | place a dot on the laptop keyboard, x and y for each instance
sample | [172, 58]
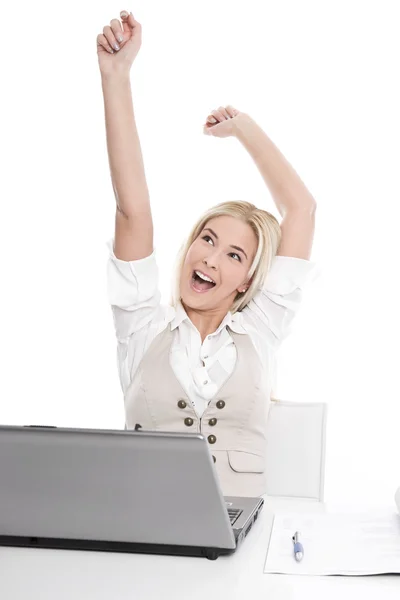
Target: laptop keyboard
[234, 514]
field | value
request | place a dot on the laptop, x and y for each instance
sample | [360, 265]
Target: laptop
[117, 491]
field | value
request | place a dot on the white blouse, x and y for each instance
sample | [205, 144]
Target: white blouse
[201, 368]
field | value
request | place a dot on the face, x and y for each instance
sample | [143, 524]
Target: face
[224, 252]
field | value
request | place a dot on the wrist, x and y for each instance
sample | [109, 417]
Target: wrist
[115, 78]
[242, 123]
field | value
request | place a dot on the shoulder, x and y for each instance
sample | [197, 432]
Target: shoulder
[269, 314]
[288, 273]
[162, 318]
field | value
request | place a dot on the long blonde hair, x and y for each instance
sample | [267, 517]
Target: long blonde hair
[267, 232]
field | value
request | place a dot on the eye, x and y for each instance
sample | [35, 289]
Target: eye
[206, 236]
[239, 258]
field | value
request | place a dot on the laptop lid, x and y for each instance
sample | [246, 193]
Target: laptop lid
[112, 485]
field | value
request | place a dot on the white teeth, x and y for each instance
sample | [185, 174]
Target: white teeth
[204, 277]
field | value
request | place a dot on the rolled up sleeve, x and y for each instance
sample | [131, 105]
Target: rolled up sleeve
[277, 302]
[133, 292]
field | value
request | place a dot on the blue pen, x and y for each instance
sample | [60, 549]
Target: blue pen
[298, 548]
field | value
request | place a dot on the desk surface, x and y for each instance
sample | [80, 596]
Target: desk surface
[42, 574]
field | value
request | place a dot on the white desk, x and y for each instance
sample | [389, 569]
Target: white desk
[41, 574]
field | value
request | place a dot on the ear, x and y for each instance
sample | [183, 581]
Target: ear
[243, 288]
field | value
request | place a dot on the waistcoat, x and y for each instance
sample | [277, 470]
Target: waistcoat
[234, 422]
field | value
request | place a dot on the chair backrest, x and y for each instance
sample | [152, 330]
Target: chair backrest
[397, 499]
[296, 440]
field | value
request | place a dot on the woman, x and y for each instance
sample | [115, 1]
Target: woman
[205, 362]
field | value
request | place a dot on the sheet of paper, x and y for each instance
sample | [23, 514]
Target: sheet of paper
[335, 544]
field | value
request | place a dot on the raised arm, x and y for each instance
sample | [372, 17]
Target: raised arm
[293, 200]
[133, 219]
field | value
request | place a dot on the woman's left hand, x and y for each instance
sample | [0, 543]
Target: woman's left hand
[221, 123]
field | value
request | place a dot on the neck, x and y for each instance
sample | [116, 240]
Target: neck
[205, 321]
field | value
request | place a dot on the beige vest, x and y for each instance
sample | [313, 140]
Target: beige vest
[234, 422]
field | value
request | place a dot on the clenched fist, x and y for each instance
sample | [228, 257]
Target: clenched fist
[221, 123]
[118, 45]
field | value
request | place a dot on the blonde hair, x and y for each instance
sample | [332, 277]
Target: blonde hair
[267, 232]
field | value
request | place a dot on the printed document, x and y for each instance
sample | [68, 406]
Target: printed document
[336, 544]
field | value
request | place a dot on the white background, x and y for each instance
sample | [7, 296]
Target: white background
[321, 78]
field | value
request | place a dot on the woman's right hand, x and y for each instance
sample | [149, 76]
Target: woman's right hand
[128, 38]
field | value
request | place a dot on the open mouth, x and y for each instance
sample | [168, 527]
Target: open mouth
[201, 283]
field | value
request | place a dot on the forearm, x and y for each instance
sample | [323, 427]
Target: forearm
[123, 145]
[286, 187]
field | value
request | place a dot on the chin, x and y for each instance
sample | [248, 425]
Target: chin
[193, 299]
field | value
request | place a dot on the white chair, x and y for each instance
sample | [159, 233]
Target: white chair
[296, 440]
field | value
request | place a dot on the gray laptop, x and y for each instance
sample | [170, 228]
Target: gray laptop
[118, 491]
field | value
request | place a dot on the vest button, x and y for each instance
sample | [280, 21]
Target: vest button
[182, 404]
[212, 422]
[188, 421]
[212, 439]
[220, 404]
[214, 459]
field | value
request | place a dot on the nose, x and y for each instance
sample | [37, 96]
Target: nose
[211, 261]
